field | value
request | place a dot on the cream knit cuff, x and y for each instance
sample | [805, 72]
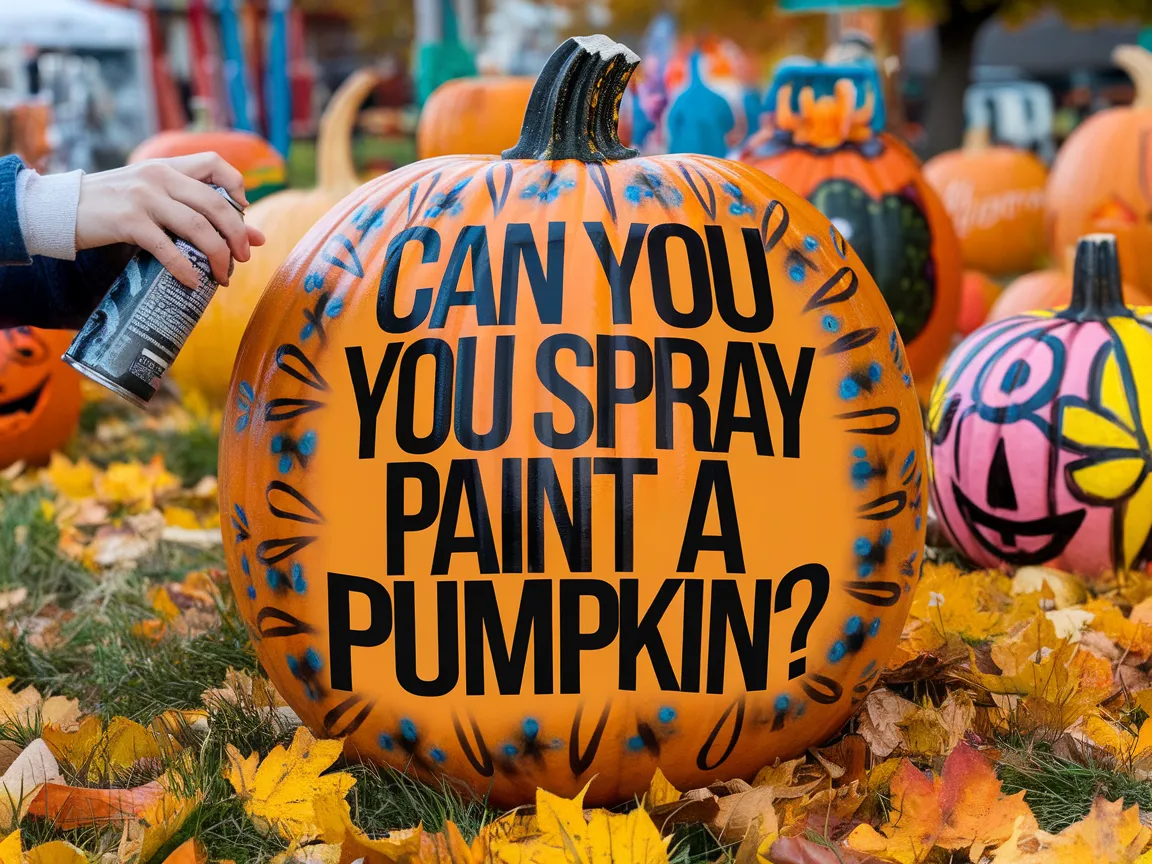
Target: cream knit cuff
[46, 207]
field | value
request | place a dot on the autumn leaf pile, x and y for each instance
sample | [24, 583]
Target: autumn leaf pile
[1013, 724]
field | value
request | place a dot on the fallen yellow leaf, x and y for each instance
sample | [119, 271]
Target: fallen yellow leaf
[158, 824]
[134, 485]
[971, 605]
[56, 852]
[1131, 636]
[660, 791]
[281, 792]
[11, 850]
[1109, 834]
[71, 479]
[181, 517]
[95, 751]
[29, 708]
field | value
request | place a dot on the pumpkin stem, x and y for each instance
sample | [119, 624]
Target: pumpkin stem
[1137, 62]
[574, 110]
[977, 138]
[334, 166]
[1097, 292]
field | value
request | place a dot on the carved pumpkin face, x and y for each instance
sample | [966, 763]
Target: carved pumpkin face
[474, 345]
[39, 394]
[1101, 180]
[1039, 433]
[870, 186]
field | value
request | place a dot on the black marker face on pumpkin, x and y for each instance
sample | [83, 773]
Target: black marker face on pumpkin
[893, 238]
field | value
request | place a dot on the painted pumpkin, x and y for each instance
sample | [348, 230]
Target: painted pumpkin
[473, 115]
[995, 196]
[381, 377]
[871, 187]
[262, 166]
[1101, 179]
[1039, 432]
[1046, 289]
[39, 394]
[978, 293]
[205, 362]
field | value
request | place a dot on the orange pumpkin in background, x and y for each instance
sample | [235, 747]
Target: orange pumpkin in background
[871, 187]
[262, 166]
[995, 196]
[1047, 289]
[978, 293]
[473, 115]
[451, 337]
[39, 394]
[205, 362]
[1101, 180]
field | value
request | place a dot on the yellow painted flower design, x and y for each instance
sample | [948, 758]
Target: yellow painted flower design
[1108, 429]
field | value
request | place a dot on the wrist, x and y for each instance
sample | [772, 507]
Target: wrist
[46, 207]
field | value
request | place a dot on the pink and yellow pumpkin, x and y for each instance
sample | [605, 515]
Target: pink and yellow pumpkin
[1039, 430]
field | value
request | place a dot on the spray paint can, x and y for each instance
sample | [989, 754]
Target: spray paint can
[140, 326]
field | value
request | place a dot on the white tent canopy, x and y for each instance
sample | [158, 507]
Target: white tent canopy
[71, 24]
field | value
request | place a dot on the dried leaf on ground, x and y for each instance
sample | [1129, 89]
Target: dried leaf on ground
[962, 809]
[24, 778]
[70, 807]
[660, 791]
[55, 852]
[153, 828]
[28, 708]
[135, 485]
[1109, 834]
[96, 752]
[281, 792]
[973, 606]
[11, 850]
[189, 852]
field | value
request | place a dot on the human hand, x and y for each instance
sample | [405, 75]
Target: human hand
[137, 204]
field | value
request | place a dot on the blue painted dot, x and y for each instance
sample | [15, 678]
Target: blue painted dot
[635, 743]
[830, 323]
[867, 670]
[1015, 377]
[510, 750]
[273, 578]
[849, 389]
[407, 730]
[874, 627]
[853, 625]
[667, 714]
[917, 520]
[293, 664]
[386, 742]
[800, 709]
[299, 585]
[307, 444]
[859, 452]
[907, 379]
[438, 755]
[886, 537]
[796, 272]
[251, 592]
[782, 702]
[313, 660]
[531, 727]
[892, 341]
[874, 371]
[862, 546]
[811, 243]
[245, 566]
[285, 464]
[277, 443]
[865, 569]
[861, 470]
[837, 651]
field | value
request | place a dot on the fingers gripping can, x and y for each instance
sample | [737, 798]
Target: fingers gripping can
[140, 326]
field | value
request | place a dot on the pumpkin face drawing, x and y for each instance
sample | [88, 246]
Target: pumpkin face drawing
[39, 394]
[871, 188]
[572, 463]
[1038, 432]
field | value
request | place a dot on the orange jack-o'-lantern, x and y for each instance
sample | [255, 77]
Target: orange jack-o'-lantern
[39, 394]
[573, 463]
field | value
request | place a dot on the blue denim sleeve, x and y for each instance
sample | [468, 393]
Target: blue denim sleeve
[45, 292]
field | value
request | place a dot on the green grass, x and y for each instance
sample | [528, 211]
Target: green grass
[1061, 791]
[29, 555]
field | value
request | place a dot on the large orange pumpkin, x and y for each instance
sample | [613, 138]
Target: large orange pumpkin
[205, 363]
[871, 187]
[1101, 180]
[39, 394]
[262, 166]
[995, 196]
[472, 115]
[1046, 289]
[677, 415]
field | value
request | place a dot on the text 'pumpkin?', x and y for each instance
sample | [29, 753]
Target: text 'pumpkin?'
[573, 463]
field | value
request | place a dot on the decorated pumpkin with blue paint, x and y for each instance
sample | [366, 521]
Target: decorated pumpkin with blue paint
[828, 147]
[570, 464]
[1039, 430]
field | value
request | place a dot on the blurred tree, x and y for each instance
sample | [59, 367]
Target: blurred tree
[957, 23]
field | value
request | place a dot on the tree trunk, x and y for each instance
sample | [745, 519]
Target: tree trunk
[944, 119]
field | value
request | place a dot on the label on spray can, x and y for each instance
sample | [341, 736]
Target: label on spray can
[140, 326]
